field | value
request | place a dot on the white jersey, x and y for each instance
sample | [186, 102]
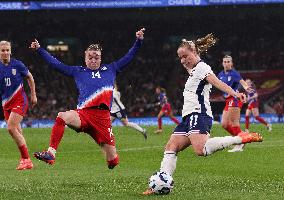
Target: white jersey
[116, 103]
[196, 91]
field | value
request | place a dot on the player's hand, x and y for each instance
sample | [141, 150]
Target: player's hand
[140, 34]
[35, 45]
[33, 100]
[249, 90]
[242, 97]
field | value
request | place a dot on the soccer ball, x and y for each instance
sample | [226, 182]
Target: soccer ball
[161, 183]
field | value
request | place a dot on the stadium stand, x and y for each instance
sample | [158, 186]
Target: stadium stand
[256, 44]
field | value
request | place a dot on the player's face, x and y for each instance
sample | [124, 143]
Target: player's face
[5, 52]
[158, 91]
[93, 59]
[227, 64]
[187, 57]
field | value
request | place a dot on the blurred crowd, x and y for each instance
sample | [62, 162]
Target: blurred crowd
[253, 36]
[275, 105]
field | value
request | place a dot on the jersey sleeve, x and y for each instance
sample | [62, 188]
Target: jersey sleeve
[219, 75]
[204, 70]
[56, 64]
[23, 69]
[237, 76]
[126, 59]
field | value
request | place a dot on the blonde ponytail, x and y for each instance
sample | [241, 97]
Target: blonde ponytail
[201, 45]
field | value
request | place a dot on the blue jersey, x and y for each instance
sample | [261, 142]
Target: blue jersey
[162, 98]
[12, 80]
[95, 86]
[231, 78]
[251, 93]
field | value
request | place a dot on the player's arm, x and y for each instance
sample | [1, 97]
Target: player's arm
[245, 85]
[212, 79]
[50, 60]
[125, 60]
[31, 83]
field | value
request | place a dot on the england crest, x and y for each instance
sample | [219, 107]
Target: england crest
[14, 72]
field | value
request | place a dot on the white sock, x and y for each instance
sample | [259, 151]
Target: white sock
[135, 126]
[169, 162]
[218, 143]
[52, 151]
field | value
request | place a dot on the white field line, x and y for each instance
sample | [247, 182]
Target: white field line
[99, 150]
[253, 145]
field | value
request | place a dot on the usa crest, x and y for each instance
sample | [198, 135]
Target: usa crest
[104, 68]
[14, 72]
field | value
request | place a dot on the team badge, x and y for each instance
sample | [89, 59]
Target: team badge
[104, 68]
[14, 72]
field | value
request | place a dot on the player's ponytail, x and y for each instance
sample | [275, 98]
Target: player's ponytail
[201, 45]
[163, 90]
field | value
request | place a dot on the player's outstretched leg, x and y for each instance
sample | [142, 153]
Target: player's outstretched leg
[218, 143]
[45, 156]
[55, 138]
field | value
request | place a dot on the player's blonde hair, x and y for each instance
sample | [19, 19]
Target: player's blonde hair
[4, 42]
[162, 89]
[201, 45]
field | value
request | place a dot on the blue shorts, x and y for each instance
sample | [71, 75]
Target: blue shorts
[119, 115]
[194, 123]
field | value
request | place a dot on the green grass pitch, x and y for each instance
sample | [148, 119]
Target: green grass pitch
[80, 171]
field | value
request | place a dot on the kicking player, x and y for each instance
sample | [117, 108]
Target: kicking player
[197, 115]
[253, 107]
[14, 99]
[95, 84]
[165, 108]
[118, 112]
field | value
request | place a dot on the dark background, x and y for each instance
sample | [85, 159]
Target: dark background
[252, 34]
